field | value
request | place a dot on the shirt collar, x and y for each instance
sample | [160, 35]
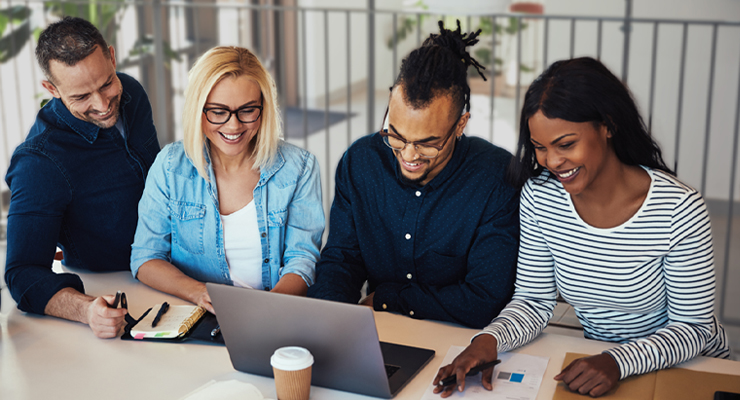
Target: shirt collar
[265, 173]
[458, 154]
[87, 130]
[271, 169]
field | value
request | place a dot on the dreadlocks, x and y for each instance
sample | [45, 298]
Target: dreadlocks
[439, 67]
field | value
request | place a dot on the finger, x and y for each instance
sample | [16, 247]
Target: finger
[487, 378]
[447, 392]
[581, 380]
[559, 377]
[589, 384]
[109, 299]
[573, 371]
[460, 375]
[209, 307]
[600, 389]
[104, 332]
[443, 372]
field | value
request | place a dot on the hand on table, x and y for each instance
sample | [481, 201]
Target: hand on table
[481, 350]
[202, 298]
[368, 300]
[104, 321]
[593, 375]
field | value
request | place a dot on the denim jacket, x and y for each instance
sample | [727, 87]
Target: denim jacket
[179, 220]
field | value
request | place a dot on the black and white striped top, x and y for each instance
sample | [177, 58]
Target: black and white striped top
[648, 283]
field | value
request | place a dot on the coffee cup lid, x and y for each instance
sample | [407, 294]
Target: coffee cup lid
[291, 358]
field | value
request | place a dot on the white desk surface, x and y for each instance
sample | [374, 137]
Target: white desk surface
[45, 358]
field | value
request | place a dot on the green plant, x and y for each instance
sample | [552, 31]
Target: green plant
[145, 46]
[15, 20]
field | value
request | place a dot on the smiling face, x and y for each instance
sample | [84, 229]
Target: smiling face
[233, 138]
[576, 153]
[90, 89]
[432, 124]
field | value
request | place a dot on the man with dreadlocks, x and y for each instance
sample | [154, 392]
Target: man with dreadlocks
[421, 211]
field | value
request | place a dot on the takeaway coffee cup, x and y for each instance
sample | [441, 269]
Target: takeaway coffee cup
[291, 367]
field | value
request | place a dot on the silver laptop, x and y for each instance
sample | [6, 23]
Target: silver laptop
[341, 337]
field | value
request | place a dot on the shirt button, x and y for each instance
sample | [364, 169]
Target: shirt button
[264, 234]
[408, 236]
[408, 276]
[267, 289]
[411, 313]
[418, 193]
[267, 260]
[385, 306]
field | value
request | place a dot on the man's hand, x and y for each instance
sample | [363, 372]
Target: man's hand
[481, 350]
[593, 375]
[368, 300]
[104, 321]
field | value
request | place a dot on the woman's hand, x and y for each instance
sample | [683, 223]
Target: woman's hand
[593, 375]
[481, 350]
[201, 298]
[164, 276]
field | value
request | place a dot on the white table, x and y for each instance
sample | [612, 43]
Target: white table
[49, 358]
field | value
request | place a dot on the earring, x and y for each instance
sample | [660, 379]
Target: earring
[459, 137]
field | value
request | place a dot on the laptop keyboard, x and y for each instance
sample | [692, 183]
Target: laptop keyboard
[390, 370]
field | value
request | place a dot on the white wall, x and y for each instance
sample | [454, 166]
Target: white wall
[693, 122]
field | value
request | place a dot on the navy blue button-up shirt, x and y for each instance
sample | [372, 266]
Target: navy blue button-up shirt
[446, 250]
[76, 186]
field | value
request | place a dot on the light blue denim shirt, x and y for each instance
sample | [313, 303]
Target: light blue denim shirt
[179, 218]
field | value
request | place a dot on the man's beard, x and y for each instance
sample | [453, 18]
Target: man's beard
[415, 181]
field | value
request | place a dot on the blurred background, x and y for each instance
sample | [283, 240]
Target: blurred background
[334, 60]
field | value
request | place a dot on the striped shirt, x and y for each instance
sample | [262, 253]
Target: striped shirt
[648, 283]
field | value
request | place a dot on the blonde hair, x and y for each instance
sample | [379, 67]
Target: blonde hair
[212, 67]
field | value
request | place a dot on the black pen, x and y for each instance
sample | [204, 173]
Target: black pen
[160, 313]
[452, 379]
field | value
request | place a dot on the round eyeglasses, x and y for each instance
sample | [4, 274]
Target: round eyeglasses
[245, 115]
[424, 150]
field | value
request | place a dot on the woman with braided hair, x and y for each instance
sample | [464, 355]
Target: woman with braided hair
[422, 212]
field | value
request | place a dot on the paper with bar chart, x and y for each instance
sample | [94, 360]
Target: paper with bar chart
[517, 377]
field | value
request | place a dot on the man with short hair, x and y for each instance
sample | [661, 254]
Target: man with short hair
[421, 212]
[76, 180]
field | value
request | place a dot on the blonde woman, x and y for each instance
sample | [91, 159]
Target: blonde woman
[232, 203]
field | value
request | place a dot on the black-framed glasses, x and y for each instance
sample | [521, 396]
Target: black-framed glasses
[425, 150]
[220, 115]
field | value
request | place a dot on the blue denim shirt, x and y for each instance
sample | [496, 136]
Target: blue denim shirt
[76, 186]
[179, 220]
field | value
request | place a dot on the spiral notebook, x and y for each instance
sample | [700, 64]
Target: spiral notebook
[176, 322]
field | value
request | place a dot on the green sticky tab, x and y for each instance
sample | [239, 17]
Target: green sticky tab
[160, 334]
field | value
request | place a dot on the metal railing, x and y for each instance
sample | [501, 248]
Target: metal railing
[324, 74]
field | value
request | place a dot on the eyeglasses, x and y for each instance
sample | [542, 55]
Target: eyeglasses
[424, 150]
[245, 115]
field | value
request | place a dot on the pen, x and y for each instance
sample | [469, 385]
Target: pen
[160, 313]
[216, 331]
[450, 380]
[116, 300]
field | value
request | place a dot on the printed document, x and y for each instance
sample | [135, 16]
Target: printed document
[517, 377]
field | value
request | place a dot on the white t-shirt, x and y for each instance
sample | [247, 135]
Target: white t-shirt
[243, 247]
